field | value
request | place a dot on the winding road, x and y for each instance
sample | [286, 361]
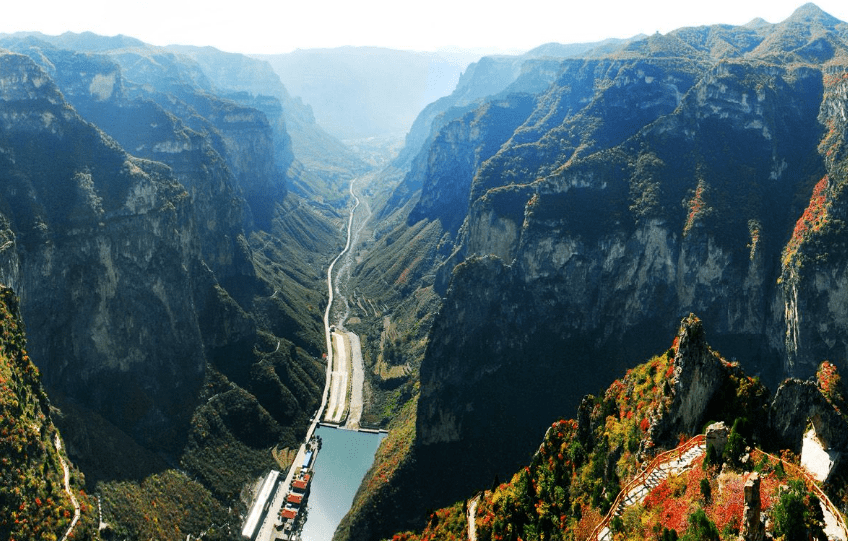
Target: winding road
[334, 381]
[58, 443]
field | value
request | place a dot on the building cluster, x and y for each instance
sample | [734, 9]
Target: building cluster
[295, 502]
[281, 505]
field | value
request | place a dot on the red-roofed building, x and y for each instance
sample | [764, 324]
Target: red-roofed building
[295, 498]
[299, 485]
[307, 477]
[288, 514]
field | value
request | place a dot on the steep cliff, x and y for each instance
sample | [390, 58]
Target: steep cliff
[168, 333]
[96, 212]
[663, 178]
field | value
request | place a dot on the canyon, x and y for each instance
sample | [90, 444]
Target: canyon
[168, 215]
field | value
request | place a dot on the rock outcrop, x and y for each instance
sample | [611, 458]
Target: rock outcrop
[698, 375]
[753, 528]
[798, 403]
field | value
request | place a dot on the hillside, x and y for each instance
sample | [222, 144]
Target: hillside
[582, 464]
[248, 79]
[33, 501]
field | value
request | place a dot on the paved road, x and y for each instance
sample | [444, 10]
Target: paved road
[58, 443]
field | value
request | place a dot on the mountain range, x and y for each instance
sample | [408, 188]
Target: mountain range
[166, 216]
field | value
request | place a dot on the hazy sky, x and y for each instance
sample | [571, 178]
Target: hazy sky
[277, 26]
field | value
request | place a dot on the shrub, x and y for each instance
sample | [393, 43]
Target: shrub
[798, 515]
[701, 528]
[706, 491]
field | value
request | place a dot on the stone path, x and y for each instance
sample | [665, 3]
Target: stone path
[677, 463]
[471, 517]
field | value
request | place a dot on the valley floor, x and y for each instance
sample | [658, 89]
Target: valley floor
[342, 400]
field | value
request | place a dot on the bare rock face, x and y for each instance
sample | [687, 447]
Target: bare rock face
[753, 528]
[697, 376]
[797, 403]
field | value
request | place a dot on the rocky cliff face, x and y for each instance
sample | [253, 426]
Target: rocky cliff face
[89, 237]
[95, 86]
[492, 77]
[701, 171]
[167, 329]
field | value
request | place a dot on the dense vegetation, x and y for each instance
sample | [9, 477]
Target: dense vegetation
[165, 506]
[33, 501]
[582, 465]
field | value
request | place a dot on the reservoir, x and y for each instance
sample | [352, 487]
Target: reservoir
[342, 463]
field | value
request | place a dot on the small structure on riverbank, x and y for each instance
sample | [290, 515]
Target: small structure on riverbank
[260, 504]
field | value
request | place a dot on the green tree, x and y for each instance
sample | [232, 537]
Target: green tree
[712, 456]
[669, 535]
[735, 443]
[701, 528]
[798, 514]
[706, 491]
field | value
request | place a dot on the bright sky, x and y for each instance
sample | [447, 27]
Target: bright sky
[279, 26]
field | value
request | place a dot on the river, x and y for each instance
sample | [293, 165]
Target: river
[343, 461]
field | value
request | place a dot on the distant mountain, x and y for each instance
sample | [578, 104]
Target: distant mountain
[318, 151]
[362, 92]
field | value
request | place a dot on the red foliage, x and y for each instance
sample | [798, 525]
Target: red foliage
[727, 509]
[696, 207]
[658, 495]
[814, 217]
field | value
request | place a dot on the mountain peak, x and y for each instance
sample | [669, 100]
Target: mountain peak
[757, 22]
[811, 13]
